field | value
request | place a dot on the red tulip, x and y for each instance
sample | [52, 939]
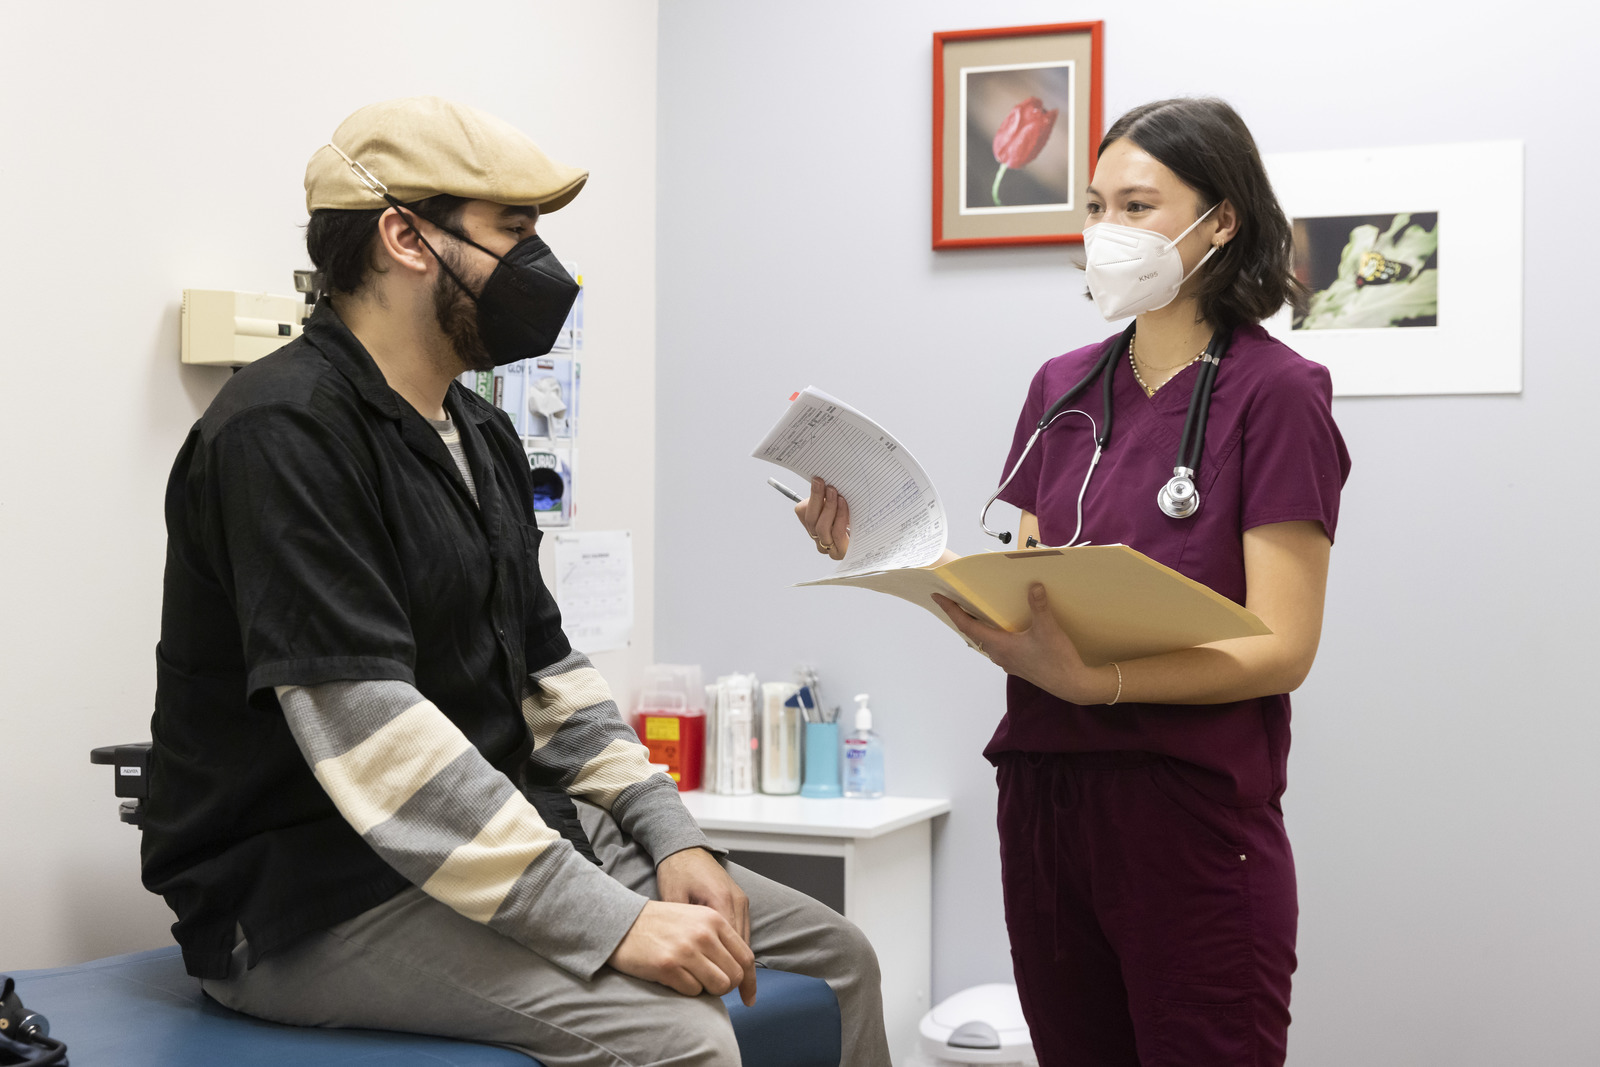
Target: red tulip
[1024, 132]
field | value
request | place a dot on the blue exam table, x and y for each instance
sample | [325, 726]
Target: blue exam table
[142, 1010]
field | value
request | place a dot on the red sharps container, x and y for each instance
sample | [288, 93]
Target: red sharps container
[671, 721]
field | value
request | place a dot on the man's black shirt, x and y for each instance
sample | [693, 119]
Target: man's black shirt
[319, 530]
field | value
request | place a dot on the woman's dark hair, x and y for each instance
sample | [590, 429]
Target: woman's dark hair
[1207, 145]
[340, 242]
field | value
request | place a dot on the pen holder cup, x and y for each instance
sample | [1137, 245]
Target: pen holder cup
[822, 761]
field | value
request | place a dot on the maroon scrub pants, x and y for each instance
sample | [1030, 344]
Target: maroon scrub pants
[1150, 925]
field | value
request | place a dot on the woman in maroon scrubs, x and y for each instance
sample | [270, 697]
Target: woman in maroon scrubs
[1149, 885]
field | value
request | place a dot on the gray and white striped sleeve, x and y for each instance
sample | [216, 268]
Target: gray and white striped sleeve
[408, 780]
[579, 736]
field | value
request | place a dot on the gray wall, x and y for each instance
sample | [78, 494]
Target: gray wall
[1441, 787]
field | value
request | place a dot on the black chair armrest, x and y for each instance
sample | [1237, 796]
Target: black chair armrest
[132, 775]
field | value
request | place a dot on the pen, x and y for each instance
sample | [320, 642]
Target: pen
[784, 489]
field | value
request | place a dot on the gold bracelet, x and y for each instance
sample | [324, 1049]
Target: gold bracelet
[1119, 685]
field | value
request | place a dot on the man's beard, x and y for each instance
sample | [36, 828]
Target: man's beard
[457, 314]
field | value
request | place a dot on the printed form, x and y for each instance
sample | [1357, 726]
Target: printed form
[594, 588]
[896, 517]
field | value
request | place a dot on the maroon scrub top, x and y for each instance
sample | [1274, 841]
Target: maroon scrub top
[1272, 454]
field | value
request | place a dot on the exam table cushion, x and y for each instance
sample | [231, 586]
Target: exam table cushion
[142, 1010]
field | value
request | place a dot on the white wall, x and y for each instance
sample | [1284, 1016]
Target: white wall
[1442, 793]
[146, 148]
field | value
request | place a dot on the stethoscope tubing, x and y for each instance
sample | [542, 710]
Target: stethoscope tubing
[1177, 499]
[1102, 369]
[1200, 401]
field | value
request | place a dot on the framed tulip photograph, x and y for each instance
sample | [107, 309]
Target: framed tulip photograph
[1016, 120]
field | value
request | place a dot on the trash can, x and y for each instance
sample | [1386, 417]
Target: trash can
[983, 1024]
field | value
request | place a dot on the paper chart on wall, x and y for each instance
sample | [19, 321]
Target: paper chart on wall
[896, 517]
[594, 588]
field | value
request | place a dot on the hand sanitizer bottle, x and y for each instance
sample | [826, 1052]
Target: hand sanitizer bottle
[863, 756]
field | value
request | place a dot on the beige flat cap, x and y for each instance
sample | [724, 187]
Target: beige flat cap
[420, 146]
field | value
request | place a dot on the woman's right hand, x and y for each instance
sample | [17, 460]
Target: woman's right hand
[826, 517]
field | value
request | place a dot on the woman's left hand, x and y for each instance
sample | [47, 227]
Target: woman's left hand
[1042, 654]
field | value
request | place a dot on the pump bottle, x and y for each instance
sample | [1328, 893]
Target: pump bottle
[863, 756]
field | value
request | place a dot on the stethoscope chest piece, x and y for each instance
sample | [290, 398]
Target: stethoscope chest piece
[1179, 499]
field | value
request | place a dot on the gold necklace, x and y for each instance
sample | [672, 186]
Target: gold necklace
[1134, 363]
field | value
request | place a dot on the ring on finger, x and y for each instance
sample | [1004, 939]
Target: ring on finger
[825, 548]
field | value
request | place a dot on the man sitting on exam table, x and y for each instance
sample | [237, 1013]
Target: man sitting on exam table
[385, 792]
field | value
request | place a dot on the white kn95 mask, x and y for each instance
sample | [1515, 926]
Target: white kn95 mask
[1132, 271]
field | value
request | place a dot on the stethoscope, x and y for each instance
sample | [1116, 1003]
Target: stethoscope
[1178, 499]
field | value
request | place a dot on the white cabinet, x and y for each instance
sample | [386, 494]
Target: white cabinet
[874, 856]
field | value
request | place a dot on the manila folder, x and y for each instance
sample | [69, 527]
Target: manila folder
[1115, 602]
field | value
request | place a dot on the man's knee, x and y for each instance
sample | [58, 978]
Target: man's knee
[860, 957]
[849, 953]
[698, 1036]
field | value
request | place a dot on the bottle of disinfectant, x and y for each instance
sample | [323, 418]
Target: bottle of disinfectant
[863, 756]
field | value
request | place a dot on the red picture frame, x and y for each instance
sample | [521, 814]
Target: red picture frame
[1021, 56]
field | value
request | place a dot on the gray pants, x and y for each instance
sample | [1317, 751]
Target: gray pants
[413, 964]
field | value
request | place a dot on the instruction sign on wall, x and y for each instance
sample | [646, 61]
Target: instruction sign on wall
[594, 588]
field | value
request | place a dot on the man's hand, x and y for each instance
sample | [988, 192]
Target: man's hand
[689, 948]
[694, 876]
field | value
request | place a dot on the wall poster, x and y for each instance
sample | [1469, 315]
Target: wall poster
[1414, 261]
